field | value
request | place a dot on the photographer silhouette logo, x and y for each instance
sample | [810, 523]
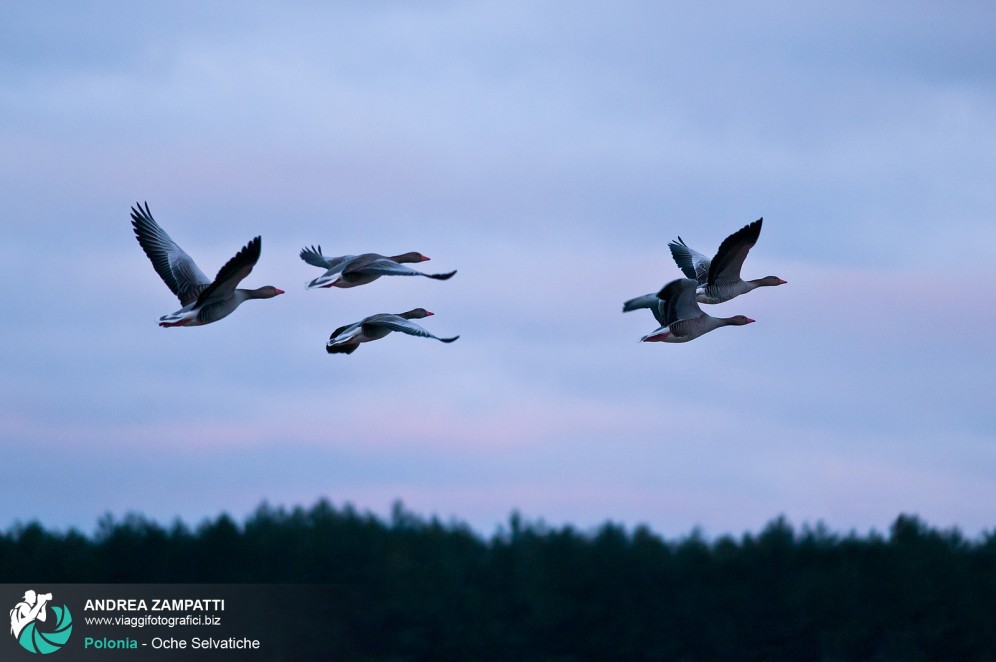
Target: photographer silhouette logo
[30, 624]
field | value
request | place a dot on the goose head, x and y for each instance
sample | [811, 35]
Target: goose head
[265, 292]
[415, 314]
[413, 256]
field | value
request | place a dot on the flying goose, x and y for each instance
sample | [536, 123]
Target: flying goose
[353, 270]
[718, 279]
[203, 300]
[680, 316]
[346, 339]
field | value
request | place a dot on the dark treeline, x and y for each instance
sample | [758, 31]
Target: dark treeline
[410, 588]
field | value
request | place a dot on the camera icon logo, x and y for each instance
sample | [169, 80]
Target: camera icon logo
[31, 626]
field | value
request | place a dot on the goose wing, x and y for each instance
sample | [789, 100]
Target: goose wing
[398, 323]
[677, 301]
[314, 257]
[230, 275]
[177, 269]
[385, 266]
[649, 301]
[725, 267]
[693, 264]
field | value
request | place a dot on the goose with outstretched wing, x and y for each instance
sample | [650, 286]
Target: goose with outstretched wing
[346, 339]
[680, 316]
[353, 270]
[717, 280]
[204, 300]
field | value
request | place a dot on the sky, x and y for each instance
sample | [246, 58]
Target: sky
[548, 151]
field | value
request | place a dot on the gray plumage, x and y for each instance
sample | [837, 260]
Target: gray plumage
[345, 339]
[719, 279]
[680, 316]
[353, 270]
[204, 300]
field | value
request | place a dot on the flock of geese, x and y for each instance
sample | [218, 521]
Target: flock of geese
[203, 301]
[676, 305]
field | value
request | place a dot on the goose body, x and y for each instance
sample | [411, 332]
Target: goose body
[353, 270]
[346, 339]
[204, 300]
[681, 318]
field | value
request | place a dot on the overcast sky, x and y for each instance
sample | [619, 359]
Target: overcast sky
[548, 151]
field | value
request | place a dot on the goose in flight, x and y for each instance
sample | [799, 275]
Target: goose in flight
[718, 280]
[203, 300]
[353, 270]
[681, 318]
[346, 339]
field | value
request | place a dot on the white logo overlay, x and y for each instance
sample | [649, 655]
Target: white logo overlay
[29, 610]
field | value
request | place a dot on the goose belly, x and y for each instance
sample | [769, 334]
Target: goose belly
[719, 293]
